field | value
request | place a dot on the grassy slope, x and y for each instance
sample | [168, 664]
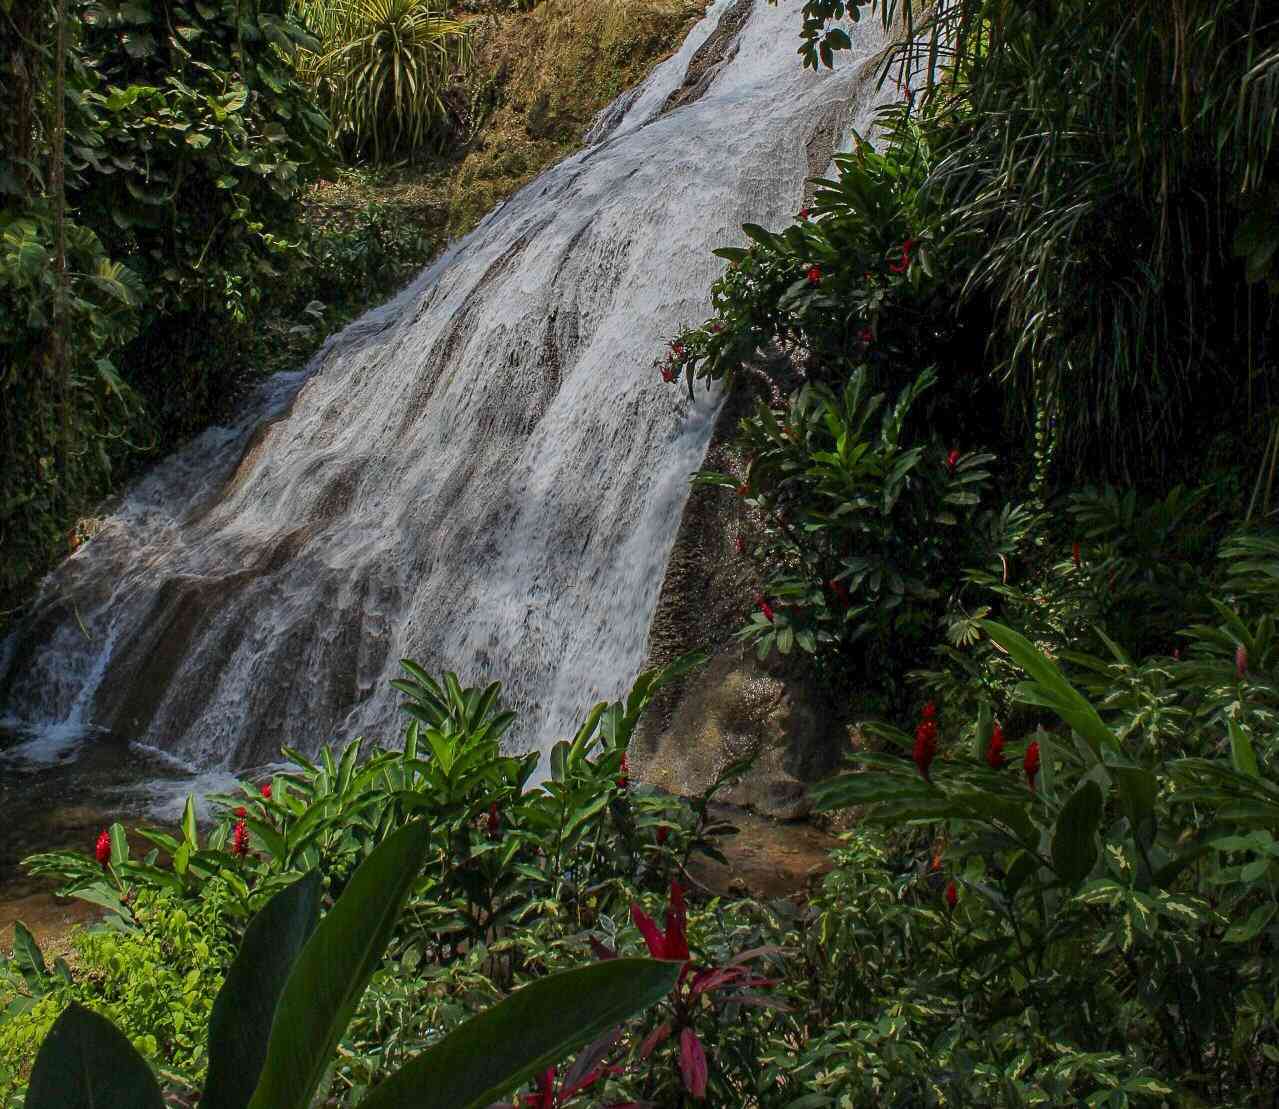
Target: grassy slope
[539, 81]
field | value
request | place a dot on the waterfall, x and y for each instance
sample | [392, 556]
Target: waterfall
[484, 474]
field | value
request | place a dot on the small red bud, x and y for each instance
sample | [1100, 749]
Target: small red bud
[952, 894]
[1241, 662]
[1031, 764]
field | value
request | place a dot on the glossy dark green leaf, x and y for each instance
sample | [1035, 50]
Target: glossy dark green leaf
[245, 1007]
[334, 969]
[85, 1062]
[1074, 839]
[535, 1027]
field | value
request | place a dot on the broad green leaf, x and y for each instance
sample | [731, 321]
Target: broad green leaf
[85, 1062]
[1055, 692]
[242, 1014]
[333, 970]
[1074, 840]
[1242, 755]
[189, 832]
[26, 952]
[534, 1028]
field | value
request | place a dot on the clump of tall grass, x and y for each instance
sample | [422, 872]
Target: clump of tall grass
[383, 70]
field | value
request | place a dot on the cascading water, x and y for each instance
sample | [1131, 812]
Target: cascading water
[483, 475]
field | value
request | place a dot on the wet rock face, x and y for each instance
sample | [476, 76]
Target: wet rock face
[736, 707]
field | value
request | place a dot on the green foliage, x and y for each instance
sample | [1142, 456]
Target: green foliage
[862, 526]
[85, 1058]
[155, 983]
[1104, 168]
[383, 69]
[1152, 862]
[187, 142]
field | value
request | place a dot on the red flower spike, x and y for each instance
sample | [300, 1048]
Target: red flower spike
[1075, 553]
[266, 792]
[240, 840]
[668, 374]
[717, 327]
[678, 348]
[929, 711]
[692, 1064]
[995, 752]
[952, 460]
[803, 214]
[952, 894]
[623, 781]
[102, 849]
[904, 264]
[662, 833]
[494, 820]
[1241, 662]
[925, 747]
[765, 608]
[814, 275]
[1031, 763]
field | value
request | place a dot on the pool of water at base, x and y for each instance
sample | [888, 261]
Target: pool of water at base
[59, 790]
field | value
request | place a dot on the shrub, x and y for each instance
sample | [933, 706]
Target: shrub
[383, 71]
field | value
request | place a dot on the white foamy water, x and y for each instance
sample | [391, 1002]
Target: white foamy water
[484, 475]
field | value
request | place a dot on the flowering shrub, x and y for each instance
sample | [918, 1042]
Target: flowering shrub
[860, 524]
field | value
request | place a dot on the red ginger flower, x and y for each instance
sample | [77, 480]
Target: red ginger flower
[929, 711]
[624, 779]
[995, 752]
[266, 792]
[240, 840]
[494, 820]
[814, 275]
[765, 608]
[102, 849]
[1075, 553]
[662, 833]
[925, 747]
[952, 894]
[803, 213]
[1031, 763]
[904, 264]
[1241, 662]
[668, 373]
[952, 460]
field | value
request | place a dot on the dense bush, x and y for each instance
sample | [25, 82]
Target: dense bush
[1105, 168]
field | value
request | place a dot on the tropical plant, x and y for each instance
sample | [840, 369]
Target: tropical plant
[861, 522]
[383, 69]
[293, 987]
[1085, 216]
